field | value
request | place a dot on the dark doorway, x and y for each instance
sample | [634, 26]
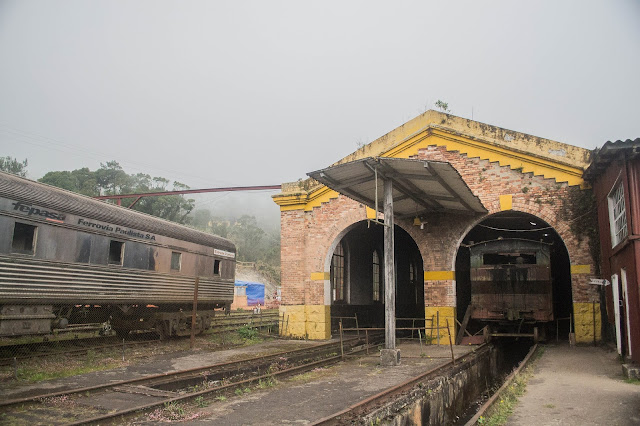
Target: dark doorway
[357, 277]
[506, 228]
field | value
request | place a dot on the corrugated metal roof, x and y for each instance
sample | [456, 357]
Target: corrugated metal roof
[607, 153]
[28, 191]
[419, 186]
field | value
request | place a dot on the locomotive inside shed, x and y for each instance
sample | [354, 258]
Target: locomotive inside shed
[515, 236]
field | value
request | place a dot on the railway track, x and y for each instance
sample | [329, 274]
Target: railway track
[10, 354]
[139, 395]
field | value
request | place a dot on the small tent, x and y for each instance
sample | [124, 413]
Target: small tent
[253, 291]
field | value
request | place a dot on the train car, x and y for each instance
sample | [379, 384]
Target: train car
[511, 286]
[69, 259]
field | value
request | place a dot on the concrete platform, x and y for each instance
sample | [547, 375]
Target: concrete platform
[312, 396]
[578, 386]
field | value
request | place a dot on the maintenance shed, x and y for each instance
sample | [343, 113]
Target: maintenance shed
[456, 183]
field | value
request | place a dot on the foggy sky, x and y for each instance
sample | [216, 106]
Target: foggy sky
[219, 93]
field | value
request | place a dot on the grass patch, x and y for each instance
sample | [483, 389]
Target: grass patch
[499, 412]
[59, 367]
[632, 381]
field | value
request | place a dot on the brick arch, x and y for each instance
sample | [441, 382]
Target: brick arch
[546, 214]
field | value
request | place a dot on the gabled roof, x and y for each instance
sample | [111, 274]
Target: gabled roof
[605, 155]
[522, 152]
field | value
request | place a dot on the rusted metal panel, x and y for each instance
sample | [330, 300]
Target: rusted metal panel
[511, 291]
[26, 280]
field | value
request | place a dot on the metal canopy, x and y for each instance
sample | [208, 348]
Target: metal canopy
[419, 186]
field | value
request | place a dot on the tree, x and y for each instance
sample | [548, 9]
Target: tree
[442, 106]
[247, 235]
[82, 181]
[12, 165]
[111, 179]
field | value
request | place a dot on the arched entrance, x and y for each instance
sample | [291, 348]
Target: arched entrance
[356, 276]
[514, 270]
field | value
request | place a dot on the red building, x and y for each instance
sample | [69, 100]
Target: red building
[615, 177]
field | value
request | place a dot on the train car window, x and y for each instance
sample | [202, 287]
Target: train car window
[176, 260]
[216, 267]
[116, 249]
[509, 259]
[24, 238]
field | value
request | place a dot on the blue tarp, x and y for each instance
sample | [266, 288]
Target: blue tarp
[255, 292]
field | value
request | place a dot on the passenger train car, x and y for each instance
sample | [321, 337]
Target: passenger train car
[511, 287]
[68, 259]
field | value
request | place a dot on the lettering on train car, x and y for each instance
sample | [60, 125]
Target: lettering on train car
[224, 253]
[35, 211]
[117, 230]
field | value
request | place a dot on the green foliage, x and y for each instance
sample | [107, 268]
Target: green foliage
[442, 106]
[248, 333]
[580, 210]
[12, 165]
[111, 179]
[200, 402]
[82, 181]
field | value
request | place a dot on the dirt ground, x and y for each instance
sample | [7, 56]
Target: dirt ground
[578, 386]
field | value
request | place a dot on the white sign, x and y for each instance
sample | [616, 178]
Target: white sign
[224, 253]
[598, 281]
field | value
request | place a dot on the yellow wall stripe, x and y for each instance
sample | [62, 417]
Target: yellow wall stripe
[439, 275]
[506, 202]
[319, 276]
[580, 269]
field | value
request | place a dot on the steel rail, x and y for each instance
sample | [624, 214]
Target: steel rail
[36, 398]
[283, 373]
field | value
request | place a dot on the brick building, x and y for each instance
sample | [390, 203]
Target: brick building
[331, 255]
[615, 176]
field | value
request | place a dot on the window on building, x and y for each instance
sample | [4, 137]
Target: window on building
[176, 260]
[116, 250]
[337, 273]
[216, 267]
[376, 277]
[617, 215]
[24, 238]
[241, 290]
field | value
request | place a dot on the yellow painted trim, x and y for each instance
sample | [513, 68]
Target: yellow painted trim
[580, 269]
[446, 313]
[439, 275]
[473, 147]
[519, 156]
[583, 315]
[371, 213]
[506, 202]
[307, 321]
[319, 276]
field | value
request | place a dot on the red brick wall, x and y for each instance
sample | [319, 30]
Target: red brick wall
[309, 237]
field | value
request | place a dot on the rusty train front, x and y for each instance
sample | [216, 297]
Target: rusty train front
[511, 286]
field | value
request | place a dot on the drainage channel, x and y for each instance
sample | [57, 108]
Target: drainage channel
[448, 394]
